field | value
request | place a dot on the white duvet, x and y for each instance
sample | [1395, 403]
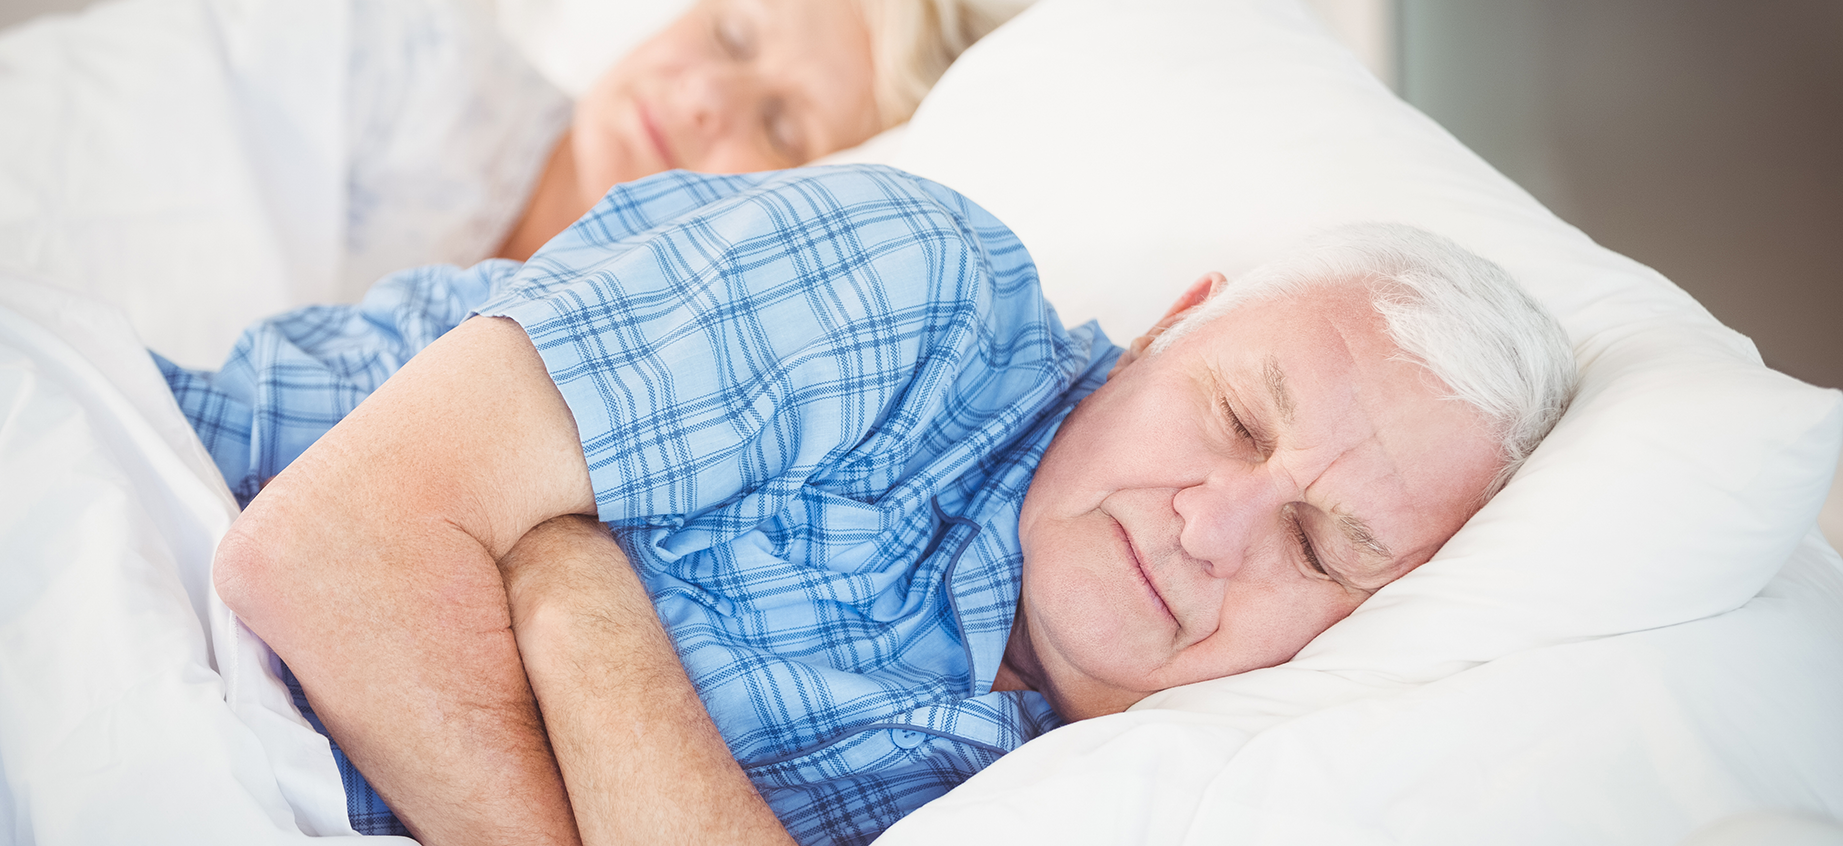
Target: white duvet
[1641, 637]
[205, 163]
[1642, 738]
[133, 709]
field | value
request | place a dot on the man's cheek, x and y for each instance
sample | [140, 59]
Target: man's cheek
[1091, 621]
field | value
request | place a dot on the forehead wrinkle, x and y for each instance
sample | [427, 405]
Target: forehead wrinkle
[1352, 527]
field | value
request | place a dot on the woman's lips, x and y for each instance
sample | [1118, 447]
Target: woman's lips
[1139, 569]
[655, 136]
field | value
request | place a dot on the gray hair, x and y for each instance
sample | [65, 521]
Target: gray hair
[1455, 313]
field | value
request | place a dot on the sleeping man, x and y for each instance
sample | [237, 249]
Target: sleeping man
[877, 517]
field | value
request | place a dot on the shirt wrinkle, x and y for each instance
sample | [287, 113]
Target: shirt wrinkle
[810, 407]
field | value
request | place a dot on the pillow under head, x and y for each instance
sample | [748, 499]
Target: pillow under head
[1134, 146]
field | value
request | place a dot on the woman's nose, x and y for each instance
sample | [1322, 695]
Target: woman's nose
[713, 98]
[1227, 514]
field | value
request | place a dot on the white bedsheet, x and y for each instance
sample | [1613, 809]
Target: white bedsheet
[116, 725]
[204, 163]
[1637, 739]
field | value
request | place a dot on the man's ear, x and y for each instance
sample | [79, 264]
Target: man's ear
[1199, 291]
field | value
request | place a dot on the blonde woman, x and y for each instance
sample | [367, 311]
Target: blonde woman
[733, 86]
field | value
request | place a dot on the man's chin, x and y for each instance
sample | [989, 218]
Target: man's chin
[1091, 700]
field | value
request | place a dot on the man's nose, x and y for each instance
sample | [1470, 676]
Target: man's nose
[1229, 513]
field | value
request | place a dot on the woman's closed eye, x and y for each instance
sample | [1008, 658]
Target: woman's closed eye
[734, 36]
[783, 131]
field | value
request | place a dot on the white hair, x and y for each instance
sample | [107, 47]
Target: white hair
[1455, 313]
[913, 41]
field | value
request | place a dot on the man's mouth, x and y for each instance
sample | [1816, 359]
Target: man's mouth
[1139, 569]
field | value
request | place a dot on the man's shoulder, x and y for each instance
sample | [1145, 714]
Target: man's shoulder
[902, 189]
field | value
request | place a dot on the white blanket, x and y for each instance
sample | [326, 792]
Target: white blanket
[132, 708]
[1638, 739]
[205, 163]
[198, 164]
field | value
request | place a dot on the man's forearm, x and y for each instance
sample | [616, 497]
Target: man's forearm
[642, 759]
[370, 566]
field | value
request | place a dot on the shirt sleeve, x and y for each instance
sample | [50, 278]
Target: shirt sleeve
[290, 378]
[832, 328]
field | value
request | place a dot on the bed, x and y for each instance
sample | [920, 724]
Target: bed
[1640, 639]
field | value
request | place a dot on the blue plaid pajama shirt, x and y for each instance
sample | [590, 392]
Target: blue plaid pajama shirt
[810, 403]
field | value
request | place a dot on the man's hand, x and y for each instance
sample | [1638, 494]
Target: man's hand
[642, 759]
[369, 565]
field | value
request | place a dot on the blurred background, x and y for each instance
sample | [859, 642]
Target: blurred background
[1701, 137]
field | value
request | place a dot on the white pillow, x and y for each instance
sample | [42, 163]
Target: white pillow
[1134, 146]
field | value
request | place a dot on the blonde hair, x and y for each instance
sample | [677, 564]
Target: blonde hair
[913, 41]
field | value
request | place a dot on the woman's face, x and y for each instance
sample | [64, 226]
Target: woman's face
[732, 86]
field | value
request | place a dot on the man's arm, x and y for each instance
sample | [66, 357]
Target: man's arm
[369, 566]
[642, 759]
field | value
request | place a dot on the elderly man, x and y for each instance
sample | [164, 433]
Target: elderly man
[836, 430]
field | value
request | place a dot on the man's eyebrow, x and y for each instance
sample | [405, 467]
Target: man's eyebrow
[1350, 526]
[1358, 533]
[1276, 385]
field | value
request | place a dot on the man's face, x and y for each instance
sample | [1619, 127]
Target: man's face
[732, 86]
[1214, 507]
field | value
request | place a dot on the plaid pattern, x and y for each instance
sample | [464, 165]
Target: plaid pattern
[810, 403]
[291, 377]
